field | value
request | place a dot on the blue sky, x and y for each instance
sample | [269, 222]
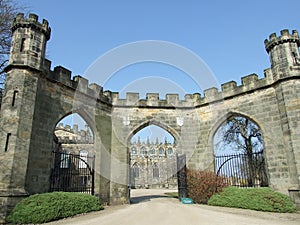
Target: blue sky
[227, 35]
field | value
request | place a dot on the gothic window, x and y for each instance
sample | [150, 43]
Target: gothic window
[83, 159]
[155, 171]
[152, 151]
[161, 151]
[143, 151]
[135, 171]
[65, 160]
[133, 151]
[170, 151]
[22, 46]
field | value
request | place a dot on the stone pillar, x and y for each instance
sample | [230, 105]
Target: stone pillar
[119, 190]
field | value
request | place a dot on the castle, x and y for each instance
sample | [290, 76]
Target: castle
[28, 123]
[153, 164]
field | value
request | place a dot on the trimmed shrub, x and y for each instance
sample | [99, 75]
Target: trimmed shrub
[42, 208]
[260, 199]
[203, 184]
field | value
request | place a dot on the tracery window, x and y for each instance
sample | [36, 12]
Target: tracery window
[155, 171]
[135, 171]
[83, 159]
[133, 151]
[65, 159]
[152, 151]
[161, 151]
[143, 151]
[170, 151]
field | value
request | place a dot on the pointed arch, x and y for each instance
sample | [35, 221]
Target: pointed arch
[71, 132]
[147, 123]
[83, 114]
[237, 144]
[222, 120]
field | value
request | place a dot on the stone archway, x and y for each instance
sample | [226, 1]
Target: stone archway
[156, 157]
[239, 151]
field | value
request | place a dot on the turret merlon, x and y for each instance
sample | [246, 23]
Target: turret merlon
[31, 21]
[283, 38]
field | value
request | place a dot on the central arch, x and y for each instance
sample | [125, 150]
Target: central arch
[147, 158]
[164, 126]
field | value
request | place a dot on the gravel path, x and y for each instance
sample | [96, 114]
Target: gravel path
[152, 207]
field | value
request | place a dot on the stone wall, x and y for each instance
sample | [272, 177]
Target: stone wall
[28, 123]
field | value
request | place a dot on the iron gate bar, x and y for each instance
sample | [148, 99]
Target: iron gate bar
[242, 169]
[182, 176]
[71, 173]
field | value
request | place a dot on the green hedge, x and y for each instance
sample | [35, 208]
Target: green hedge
[42, 208]
[261, 199]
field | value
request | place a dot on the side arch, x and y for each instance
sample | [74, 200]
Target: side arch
[221, 120]
[84, 115]
[245, 167]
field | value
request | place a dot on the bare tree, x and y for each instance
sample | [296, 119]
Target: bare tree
[8, 11]
[242, 135]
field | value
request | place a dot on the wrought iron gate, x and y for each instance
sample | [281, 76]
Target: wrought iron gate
[181, 176]
[72, 173]
[243, 170]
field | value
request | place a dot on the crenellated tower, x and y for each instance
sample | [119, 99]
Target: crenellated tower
[284, 53]
[29, 41]
[19, 106]
[285, 68]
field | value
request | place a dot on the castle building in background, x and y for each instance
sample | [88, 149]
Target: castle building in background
[70, 140]
[153, 164]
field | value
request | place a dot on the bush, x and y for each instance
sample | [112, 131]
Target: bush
[203, 184]
[41, 208]
[261, 199]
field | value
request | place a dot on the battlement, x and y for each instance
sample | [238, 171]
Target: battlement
[153, 100]
[284, 37]
[64, 76]
[71, 135]
[31, 21]
[70, 129]
[229, 89]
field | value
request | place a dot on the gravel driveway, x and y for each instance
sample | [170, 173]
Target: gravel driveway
[152, 207]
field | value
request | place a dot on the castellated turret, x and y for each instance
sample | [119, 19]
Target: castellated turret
[29, 38]
[284, 53]
[19, 103]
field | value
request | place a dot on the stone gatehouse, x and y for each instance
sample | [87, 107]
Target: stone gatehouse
[36, 98]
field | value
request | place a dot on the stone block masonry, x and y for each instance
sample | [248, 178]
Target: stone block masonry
[36, 98]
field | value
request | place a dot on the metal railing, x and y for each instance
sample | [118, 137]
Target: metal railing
[72, 173]
[243, 170]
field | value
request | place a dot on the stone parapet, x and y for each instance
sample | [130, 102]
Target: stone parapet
[32, 21]
[228, 90]
[79, 83]
[285, 37]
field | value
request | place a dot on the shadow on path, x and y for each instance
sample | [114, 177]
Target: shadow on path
[139, 199]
